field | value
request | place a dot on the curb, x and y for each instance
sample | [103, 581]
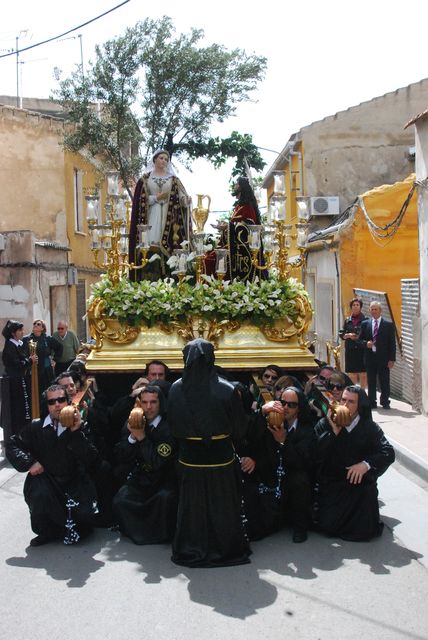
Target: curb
[410, 460]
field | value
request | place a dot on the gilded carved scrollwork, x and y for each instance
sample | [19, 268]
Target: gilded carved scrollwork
[283, 329]
[193, 328]
[103, 327]
[333, 350]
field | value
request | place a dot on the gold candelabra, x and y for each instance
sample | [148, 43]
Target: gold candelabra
[110, 240]
[333, 350]
[278, 235]
[277, 238]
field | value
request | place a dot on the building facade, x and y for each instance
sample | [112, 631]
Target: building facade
[45, 259]
[333, 161]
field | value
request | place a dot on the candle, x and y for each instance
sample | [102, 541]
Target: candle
[182, 263]
[221, 266]
[113, 183]
[281, 210]
[254, 239]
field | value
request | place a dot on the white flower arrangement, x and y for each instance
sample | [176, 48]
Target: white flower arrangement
[261, 302]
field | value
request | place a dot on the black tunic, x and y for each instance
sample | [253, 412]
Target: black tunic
[17, 367]
[145, 507]
[68, 461]
[280, 488]
[350, 511]
[354, 354]
[205, 412]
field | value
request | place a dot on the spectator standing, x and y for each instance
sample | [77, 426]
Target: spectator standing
[70, 346]
[47, 349]
[17, 363]
[354, 355]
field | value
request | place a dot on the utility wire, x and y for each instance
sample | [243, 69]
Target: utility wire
[38, 44]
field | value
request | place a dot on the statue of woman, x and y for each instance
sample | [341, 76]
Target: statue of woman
[236, 234]
[161, 201]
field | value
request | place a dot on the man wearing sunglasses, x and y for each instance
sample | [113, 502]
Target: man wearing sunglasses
[349, 460]
[289, 448]
[58, 489]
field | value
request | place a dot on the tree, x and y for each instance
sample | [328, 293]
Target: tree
[151, 89]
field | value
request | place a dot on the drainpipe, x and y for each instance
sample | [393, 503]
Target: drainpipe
[338, 320]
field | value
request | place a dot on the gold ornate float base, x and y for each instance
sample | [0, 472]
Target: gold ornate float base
[238, 346]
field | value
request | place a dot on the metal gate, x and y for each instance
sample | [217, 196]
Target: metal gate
[410, 299]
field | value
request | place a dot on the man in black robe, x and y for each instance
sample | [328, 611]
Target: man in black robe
[286, 466]
[145, 507]
[205, 413]
[349, 461]
[58, 489]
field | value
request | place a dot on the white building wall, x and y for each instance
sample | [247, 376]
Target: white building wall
[421, 142]
[321, 268]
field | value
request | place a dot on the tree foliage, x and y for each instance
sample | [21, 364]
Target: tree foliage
[150, 89]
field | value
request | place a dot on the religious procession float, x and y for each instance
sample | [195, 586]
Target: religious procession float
[235, 290]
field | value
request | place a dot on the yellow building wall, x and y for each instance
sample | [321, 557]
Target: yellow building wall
[37, 192]
[79, 240]
[31, 174]
[379, 265]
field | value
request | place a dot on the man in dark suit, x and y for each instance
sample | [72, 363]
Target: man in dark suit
[377, 338]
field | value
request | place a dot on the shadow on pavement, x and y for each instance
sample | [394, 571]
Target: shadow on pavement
[73, 564]
[238, 592]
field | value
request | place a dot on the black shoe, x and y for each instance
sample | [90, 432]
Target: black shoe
[386, 406]
[300, 535]
[38, 541]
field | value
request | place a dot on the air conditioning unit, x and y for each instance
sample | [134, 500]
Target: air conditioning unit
[324, 206]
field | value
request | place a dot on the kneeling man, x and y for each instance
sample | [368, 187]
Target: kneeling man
[58, 489]
[146, 505]
[349, 461]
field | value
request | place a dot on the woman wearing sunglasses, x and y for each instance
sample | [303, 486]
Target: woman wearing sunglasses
[47, 349]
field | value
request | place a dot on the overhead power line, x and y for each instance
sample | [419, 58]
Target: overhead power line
[61, 35]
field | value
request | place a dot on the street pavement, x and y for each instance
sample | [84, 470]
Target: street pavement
[324, 589]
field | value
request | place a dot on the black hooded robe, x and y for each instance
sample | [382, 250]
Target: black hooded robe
[205, 413]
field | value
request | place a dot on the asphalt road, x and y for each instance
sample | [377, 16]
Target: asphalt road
[324, 589]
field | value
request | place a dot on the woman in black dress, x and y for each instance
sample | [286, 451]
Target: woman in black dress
[17, 364]
[354, 362]
[46, 349]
